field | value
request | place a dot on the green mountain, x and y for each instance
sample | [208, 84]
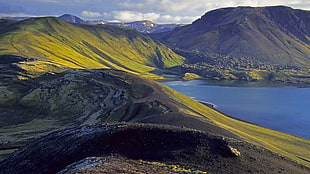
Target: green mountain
[53, 44]
[245, 38]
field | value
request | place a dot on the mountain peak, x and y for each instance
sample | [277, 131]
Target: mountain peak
[72, 19]
[277, 35]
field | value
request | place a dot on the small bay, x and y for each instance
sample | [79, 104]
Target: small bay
[282, 108]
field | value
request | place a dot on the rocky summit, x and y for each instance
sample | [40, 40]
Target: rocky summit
[89, 147]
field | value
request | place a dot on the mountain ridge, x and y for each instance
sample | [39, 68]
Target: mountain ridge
[144, 142]
[245, 43]
[53, 42]
[246, 31]
[144, 26]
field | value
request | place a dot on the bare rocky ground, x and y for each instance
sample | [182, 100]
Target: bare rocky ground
[118, 164]
[187, 148]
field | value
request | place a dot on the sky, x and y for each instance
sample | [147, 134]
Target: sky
[158, 11]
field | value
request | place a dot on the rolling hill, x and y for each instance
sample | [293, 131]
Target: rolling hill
[245, 38]
[53, 44]
[32, 109]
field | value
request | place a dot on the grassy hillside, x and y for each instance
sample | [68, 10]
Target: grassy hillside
[55, 43]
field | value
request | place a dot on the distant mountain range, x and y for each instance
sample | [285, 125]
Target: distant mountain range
[144, 26]
[148, 26]
[141, 26]
[245, 38]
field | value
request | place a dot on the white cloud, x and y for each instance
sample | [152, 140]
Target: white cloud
[198, 7]
[129, 16]
[90, 14]
[160, 11]
[15, 15]
[176, 19]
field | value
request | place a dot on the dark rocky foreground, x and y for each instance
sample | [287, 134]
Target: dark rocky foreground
[188, 148]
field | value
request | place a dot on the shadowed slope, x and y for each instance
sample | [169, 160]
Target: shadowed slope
[266, 35]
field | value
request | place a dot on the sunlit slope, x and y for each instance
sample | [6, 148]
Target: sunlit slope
[290, 146]
[53, 42]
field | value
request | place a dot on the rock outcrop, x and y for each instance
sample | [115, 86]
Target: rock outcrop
[166, 144]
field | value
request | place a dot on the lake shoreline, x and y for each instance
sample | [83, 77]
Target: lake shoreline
[264, 106]
[213, 106]
[234, 83]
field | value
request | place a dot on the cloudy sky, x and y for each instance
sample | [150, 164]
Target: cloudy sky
[160, 11]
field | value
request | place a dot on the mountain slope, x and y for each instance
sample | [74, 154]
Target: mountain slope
[32, 108]
[259, 36]
[56, 44]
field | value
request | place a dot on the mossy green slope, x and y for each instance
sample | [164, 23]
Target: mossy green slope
[53, 42]
[290, 146]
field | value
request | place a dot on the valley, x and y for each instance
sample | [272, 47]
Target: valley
[75, 93]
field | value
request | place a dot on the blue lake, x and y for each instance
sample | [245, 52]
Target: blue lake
[282, 108]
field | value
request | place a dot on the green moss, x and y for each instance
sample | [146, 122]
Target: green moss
[190, 76]
[175, 168]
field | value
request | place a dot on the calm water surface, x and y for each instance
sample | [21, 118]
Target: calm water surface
[285, 109]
